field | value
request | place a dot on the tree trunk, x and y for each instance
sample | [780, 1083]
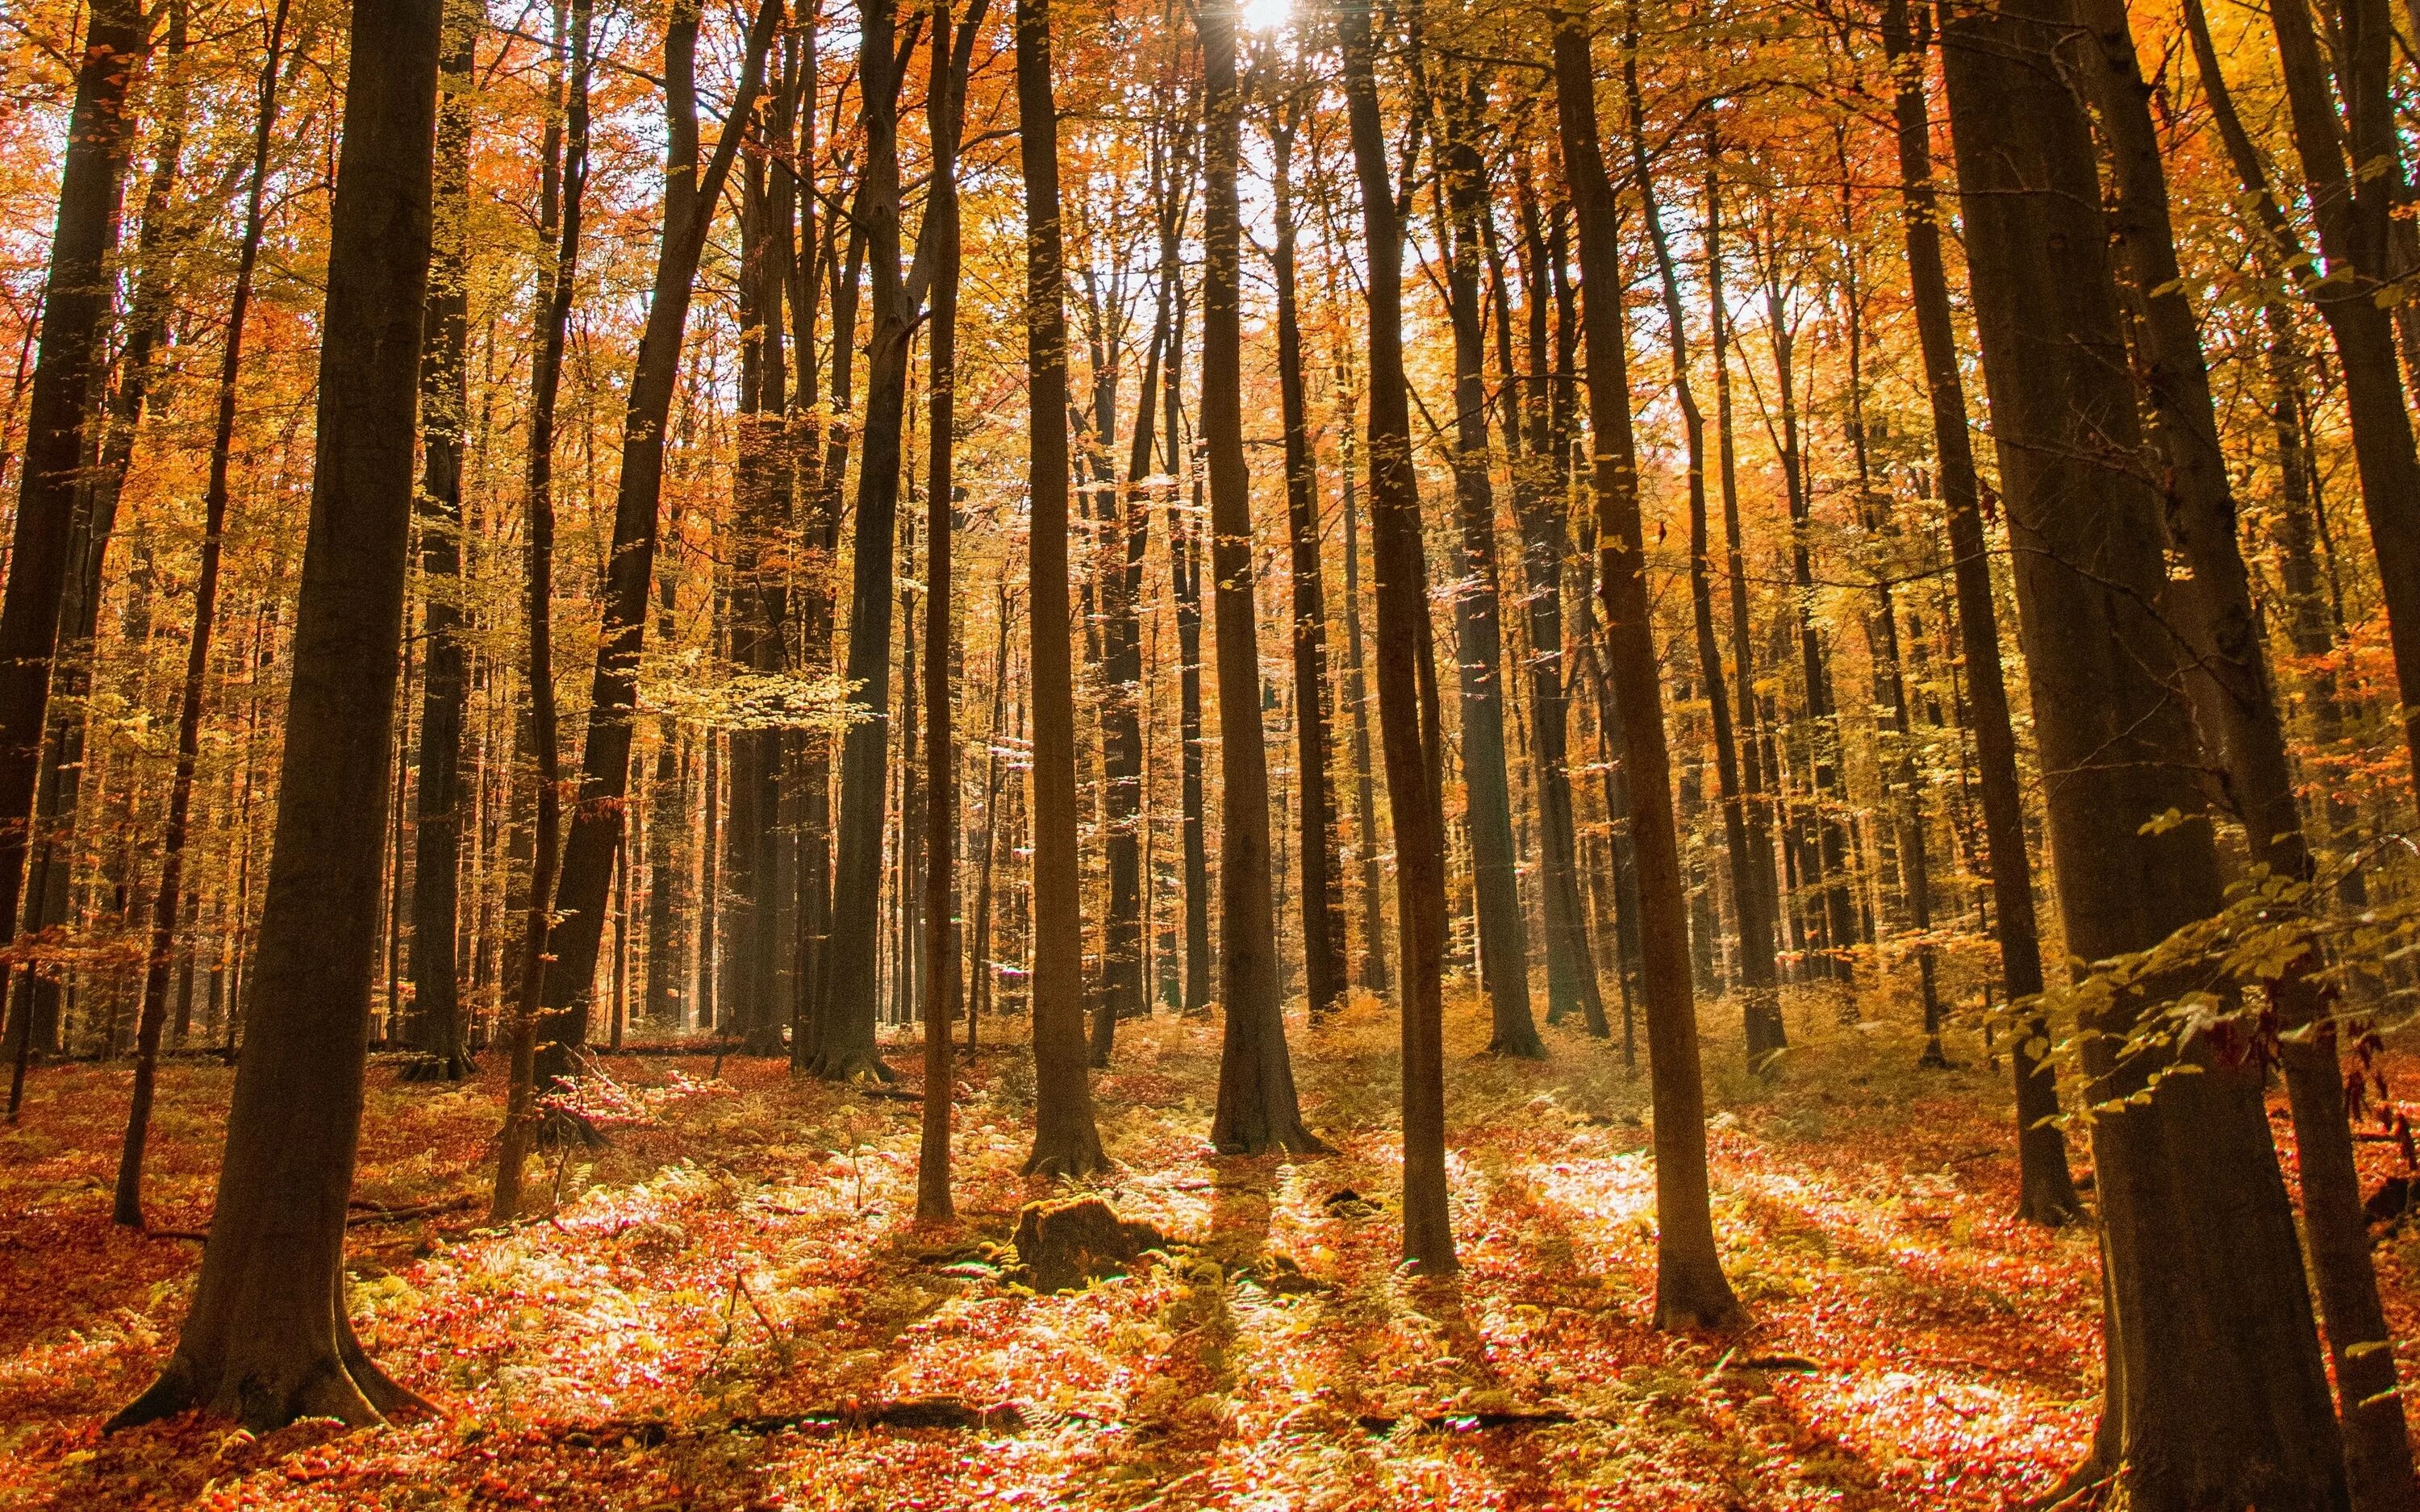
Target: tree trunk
[558, 276]
[435, 1026]
[1256, 1108]
[1322, 880]
[1762, 1017]
[595, 827]
[1539, 496]
[2354, 209]
[78, 297]
[1503, 947]
[1065, 1143]
[127, 1206]
[2238, 703]
[2216, 1390]
[1690, 1289]
[267, 1339]
[1185, 575]
[1406, 680]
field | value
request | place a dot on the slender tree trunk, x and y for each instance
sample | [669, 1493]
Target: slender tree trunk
[127, 1207]
[1503, 946]
[1257, 1107]
[1690, 1289]
[558, 279]
[1065, 1143]
[2045, 1191]
[1184, 573]
[435, 1026]
[1762, 1018]
[78, 300]
[2217, 1394]
[595, 827]
[1539, 493]
[1406, 687]
[267, 1339]
[2354, 211]
[1322, 881]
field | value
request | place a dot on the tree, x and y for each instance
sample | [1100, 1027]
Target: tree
[595, 832]
[1323, 879]
[1407, 722]
[952, 57]
[1257, 1109]
[435, 1026]
[1690, 1289]
[1763, 1030]
[77, 302]
[1503, 942]
[2237, 699]
[2045, 1189]
[2217, 1394]
[1065, 1143]
[168, 899]
[267, 1339]
[560, 202]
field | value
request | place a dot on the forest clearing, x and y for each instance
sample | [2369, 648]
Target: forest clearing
[744, 1251]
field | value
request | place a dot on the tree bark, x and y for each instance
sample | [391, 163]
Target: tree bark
[1065, 1142]
[168, 897]
[267, 1339]
[1690, 1289]
[2217, 1394]
[1406, 677]
[1256, 1108]
[2045, 1189]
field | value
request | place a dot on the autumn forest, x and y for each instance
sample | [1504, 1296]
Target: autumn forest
[1210, 753]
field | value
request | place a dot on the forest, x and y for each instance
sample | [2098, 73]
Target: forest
[1145, 755]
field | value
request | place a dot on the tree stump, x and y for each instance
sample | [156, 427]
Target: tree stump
[1064, 1244]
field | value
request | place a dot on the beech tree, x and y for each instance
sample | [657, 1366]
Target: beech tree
[268, 1339]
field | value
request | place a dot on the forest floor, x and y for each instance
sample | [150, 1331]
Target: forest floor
[724, 1297]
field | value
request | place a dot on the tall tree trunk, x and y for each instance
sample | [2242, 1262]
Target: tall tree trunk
[79, 295]
[1826, 840]
[267, 1339]
[2238, 702]
[1503, 945]
[2045, 1190]
[1690, 1289]
[595, 827]
[1763, 1019]
[558, 279]
[1185, 575]
[159, 249]
[2217, 1394]
[435, 1026]
[127, 1205]
[944, 108]
[1065, 1142]
[1754, 773]
[1406, 675]
[1322, 881]
[1539, 496]
[2354, 209]
[1257, 1107]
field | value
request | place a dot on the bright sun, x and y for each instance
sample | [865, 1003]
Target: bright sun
[1266, 15]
